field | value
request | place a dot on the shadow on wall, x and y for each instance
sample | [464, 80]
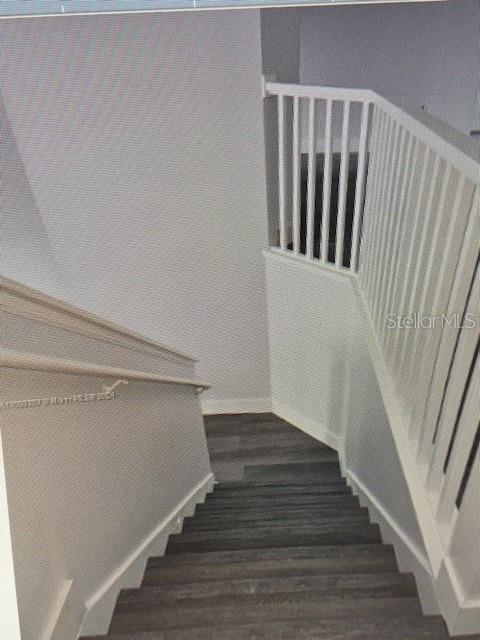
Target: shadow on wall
[26, 253]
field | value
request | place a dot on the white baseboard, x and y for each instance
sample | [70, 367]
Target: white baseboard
[99, 607]
[66, 615]
[462, 614]
[410, 558]
[309, 426]
[236, 405]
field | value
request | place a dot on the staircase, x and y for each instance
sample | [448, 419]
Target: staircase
[281, 550]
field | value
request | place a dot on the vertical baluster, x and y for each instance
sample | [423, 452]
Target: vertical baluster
[370, 211]
[383, 214]
[451, 293]
[464, 365]
[296, 174]
[390, 249]
[462, 445]
[399, 224]
[360, 185]
[432, 260]
[281, 170]
[312, 164]
[367, 218]
[384, 255]
[386, 137]
[327, 182]
[342, 186]
[419, 266]
[398, 345]
[392, 335]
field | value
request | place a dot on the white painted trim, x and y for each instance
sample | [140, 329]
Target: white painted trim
[446, 596]
[100, 605]
[10, 625]
[409, 557]
[275, 253]
[399, 428]
[236, 405]
[233, 7]
[20, 300]
[461, 613]
[314, 429]
[34, 362]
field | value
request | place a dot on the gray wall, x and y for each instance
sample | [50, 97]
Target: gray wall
[140, 135]
[280, 58]
[425, 52]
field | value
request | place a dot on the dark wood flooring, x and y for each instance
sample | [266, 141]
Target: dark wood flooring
[281, 550]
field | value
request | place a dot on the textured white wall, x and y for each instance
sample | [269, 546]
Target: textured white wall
[141, 140]
[87, 484]
[323, 379]
[310, 315]
[426, 52]
[370, 450]
[24, 244]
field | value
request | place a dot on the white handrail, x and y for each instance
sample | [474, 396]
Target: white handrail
[463, 153]
[322, 93]
[34, 362]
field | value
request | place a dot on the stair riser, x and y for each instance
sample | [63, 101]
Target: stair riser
[265, 569]
[332, 553]
[273, 514]
[224, 522]
[279, 490]
[399, 628]
[287, 502]
[258, 538]
[275, 455]
[345, 584]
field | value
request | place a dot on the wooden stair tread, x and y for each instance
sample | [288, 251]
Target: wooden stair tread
[359, 561]
[393, 583]
[329, 553]
[281, 550]
[244, 538]
[398, 628]
[291, 500]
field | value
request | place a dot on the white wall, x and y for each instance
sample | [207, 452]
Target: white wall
[310, 315]
[323, 381]
[24, 244]
[425, 52]
[92, 487]
[141, 141]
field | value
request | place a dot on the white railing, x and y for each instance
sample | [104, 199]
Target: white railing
[412, 246]
[334, 123]
[35, 362]
[419, 279]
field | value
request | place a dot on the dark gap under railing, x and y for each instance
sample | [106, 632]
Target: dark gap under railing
[468, 468]
[447, 381]
[317, 224]
[460, 408]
